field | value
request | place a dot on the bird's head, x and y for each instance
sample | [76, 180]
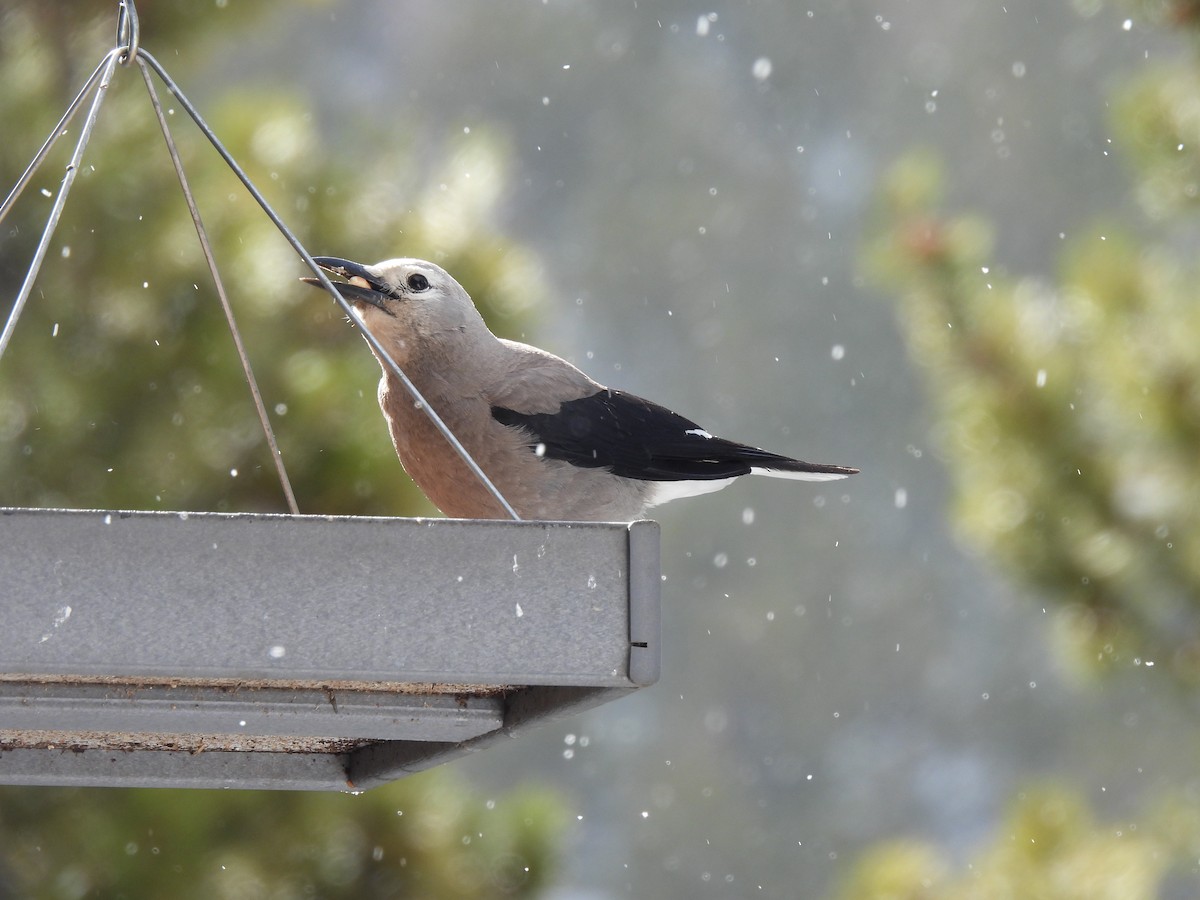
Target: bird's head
[404, 302]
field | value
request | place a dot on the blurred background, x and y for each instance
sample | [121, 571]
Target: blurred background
[953, 244]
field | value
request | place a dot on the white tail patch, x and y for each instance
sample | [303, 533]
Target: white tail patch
[797, 476]
[666, 491]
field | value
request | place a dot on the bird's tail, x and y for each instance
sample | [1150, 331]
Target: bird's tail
[774, 465]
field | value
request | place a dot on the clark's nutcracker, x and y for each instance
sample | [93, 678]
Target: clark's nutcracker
[556, 444]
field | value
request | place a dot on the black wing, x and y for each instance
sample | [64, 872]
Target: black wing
[635, 438]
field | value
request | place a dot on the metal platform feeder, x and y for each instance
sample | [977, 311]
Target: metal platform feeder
[310, 652]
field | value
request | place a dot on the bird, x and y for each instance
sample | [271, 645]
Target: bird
[557, 444]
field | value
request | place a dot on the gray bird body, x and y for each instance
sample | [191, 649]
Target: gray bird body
[557, 444]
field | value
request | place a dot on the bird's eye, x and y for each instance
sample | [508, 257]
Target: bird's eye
[418, 282]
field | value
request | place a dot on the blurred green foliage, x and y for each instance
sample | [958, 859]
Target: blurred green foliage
[1069, 412]
[426, 837]
[1049, 846]
[1068, 415]
[121, 389]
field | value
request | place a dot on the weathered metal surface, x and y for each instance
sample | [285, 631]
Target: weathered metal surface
[205, 649]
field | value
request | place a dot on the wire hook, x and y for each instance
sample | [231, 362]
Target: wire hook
[128, 32]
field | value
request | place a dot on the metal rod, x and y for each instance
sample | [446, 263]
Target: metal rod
[128, 31]
[109, 64]
[59, 131]
[374, 342]
[206, 247]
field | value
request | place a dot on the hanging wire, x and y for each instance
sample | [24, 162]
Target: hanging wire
[206, 248]
[128, 31]
[374, 342]
[126, 51]
[58, 131]
[105, 71]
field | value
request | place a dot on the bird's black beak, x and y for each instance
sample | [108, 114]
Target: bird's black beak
[360, 285]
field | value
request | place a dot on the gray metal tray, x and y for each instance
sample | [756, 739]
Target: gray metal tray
[274, 651]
